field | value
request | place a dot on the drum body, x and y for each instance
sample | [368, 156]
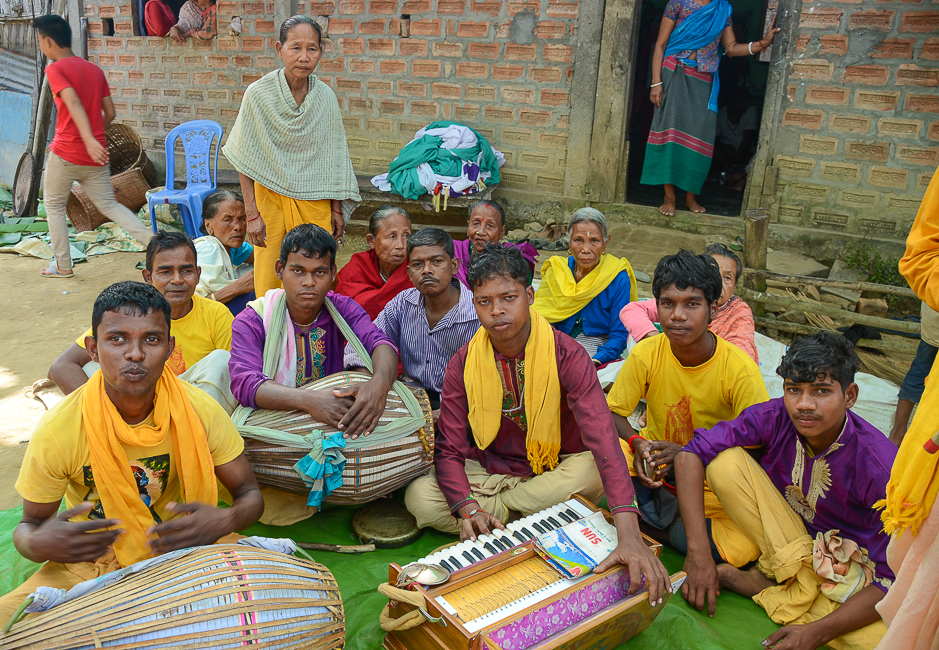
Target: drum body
[370, 472]
[219, 597]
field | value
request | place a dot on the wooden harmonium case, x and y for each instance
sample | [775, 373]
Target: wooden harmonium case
[511, 599]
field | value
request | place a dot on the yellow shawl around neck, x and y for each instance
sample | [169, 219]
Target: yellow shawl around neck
[560, 296]
[542, 393]
[105, 429]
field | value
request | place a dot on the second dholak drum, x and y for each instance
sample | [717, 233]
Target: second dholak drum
[372, 469]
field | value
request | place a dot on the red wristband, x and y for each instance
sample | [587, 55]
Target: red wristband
[255, 218]
[630, 441]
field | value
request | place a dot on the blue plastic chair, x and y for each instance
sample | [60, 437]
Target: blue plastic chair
[197, 137]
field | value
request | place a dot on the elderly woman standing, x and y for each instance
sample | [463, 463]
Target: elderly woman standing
[289, 147]
[734, 320]
[581, 295]
[373, 277]
[223, 254]
[486, 224]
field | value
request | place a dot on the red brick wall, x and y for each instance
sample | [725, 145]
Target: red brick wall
[859, 133]
[459, 62]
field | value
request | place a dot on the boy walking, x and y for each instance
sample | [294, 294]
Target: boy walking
[78, 153]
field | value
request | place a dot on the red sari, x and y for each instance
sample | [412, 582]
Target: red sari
[361, 280]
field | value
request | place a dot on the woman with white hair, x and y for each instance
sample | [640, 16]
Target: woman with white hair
[581, 295]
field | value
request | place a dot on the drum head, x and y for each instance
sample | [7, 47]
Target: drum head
[24, 190]
[386, 524]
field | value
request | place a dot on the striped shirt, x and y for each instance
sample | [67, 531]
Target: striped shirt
[424, 352]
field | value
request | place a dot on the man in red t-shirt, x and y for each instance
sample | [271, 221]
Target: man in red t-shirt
[78, 152]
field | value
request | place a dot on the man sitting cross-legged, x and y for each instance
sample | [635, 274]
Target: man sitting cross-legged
[690, 378]
[432, 321]
[523, 425]
[135, 452]
[306, 343]
[807, 504]
[201, 327]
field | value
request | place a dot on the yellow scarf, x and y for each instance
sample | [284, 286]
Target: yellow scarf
[105, 430]
[542, 393]
[560, 296]
[914, 479]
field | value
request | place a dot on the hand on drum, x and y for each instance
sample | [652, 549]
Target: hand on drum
[326, 405]
[481, 523]
[59, 540]
[362, 418]
[200, 525]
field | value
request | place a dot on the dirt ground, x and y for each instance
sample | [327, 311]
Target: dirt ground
[40, 320]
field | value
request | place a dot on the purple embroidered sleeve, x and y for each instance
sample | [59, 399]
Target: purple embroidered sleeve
[246, 364]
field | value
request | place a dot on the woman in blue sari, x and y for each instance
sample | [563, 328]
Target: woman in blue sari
[684, 90]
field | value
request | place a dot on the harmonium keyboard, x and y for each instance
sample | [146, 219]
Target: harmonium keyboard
[501, 595]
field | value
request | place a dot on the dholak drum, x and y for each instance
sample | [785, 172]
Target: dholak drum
[371, 471]
[222, 596]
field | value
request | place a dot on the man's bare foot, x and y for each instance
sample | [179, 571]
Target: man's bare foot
[746, 583]
[692, 204]
[668, 208]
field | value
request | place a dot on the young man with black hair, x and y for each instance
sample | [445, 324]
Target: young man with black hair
[135, 452]
[690, 378]
[201, 327]
[807, 504]
[308, 342]
[523, 426]
[431, 321]
[78, 150]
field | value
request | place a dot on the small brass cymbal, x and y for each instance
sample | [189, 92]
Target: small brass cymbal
[386, 524]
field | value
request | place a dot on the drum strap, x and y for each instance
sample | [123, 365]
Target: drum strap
[394, 596]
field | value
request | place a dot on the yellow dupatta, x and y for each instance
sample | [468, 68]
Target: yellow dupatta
[542, 393]
[560, 296]
[105, 430]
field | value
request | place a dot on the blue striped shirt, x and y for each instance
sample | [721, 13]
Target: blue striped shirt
[425, 352]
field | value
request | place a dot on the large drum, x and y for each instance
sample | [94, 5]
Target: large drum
[371, 470]
[219, 597]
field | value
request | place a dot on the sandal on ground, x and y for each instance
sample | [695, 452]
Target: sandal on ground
[52, 271]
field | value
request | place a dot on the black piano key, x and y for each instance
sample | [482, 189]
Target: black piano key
[452, 560]
[478, 553]
[446, 566]
[469, 557]
[489, 547]
[508, 542]
[520, 536]
[564, 516]
[544, 524]
[574, 516]
[538, 527]
[504, 542]
[528, 533]
[497, 544]
[554, 522]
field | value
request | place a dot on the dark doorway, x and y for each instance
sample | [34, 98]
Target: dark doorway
[743, 87]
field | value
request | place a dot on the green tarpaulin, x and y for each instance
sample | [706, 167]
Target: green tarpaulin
[739, 624]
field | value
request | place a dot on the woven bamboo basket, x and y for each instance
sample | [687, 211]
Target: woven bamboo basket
[130, 190]
[370, 472]
[221, 597]
[126, 152]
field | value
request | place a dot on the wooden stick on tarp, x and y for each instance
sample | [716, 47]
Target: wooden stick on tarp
[870, 287]
[798, 328]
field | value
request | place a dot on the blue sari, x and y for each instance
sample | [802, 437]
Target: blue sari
[696, 31]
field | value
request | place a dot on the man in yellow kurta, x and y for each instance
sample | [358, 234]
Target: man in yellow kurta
[911, 607]
[201, 327]
[690, 378]
[135, 452]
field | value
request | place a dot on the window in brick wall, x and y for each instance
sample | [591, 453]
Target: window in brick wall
[405, 26]
[107, 26]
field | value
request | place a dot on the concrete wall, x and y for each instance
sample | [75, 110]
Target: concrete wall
[857, 143]
[15, 114]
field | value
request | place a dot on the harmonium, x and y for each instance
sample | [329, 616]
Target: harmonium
[501, 595]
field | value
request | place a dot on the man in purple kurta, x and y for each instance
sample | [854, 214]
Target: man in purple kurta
[487, 224]
[475, 487]
[307, 344]
[807, 504]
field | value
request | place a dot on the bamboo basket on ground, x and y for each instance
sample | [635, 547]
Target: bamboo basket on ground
[370, 471]
[126, 152]
[222, 597]
[130, 190]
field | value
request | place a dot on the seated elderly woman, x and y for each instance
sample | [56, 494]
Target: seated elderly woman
[734, 320]
[487, 224]
[373, 277]
[226, 259]
[581, 295]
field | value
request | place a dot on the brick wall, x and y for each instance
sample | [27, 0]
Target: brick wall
[859, 134]
[503, 67]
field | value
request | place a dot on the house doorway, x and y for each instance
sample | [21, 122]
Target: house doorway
[742, 91]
